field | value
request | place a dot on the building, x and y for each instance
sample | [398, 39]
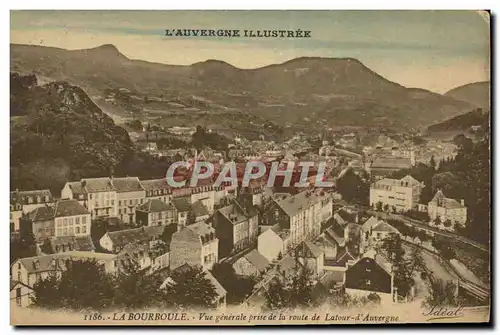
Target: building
[199, 211]
[204, 192]
[183, 208]
[235, 228]
[156, 212]
[311, 257]
[98, 195]
[32, 269]
[65, 218]
[71, 218]
[157, 189]
[300, 213]
[195, 244]
[115, 241]
[251, 264]
[22, 202]
[383, 230]
[149, 257]
[39, 222]
[20, 294]
[396, 195]
[68, 243]
[447, 209]
[370, 276]
[130, 194]
[274, 242]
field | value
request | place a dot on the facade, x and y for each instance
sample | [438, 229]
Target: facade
[155, 212]
[397, 195]
[23, 202]
[98, 195]
[183, 208]
[115, 241]
[300, 213]
[274, 242]
[71, 219]
[368, 276]
[157, 189]
[195, 244]
[235, 228]
[20, 294]
[447, 209]
[39, 222]
[129, 194]
[311, 257]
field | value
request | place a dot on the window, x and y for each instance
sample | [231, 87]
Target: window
[30, 200]
[77, 230]
[65, 222]
[59, 231]
[19, 266]
[18, 296]
[71, 231]
[84, 219]
[119, 202]
[19, 277]
[77, 220]
[71, 221]
[112, 202]
[65, 231]
[84, 229]
[90, 196]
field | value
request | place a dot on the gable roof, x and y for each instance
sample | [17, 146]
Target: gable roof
[44, 213]
[140, 235]
[127, 184]
[385, 227]
[234, 213]
[343, 256]
[156, 205]
[201, 228]
[78, 243]
[182, 204]
[155, 184]
[313, 248]
[93, 185]
[257, 260]
[369, 224]
[298, 202]
[282, 233]
[21, 197]
[441, 201]
[69, 207]
[336, 232]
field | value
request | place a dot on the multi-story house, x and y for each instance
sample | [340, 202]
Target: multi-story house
[396, 195]
[251, 264]
[204, 192]
[157, 189]
[71, 218]
[183, 208]
[98, 195]
[235, 228]
[273, 242]
[39, 222]
[130, 194]
[195, 244]
[300, 214]
[382, 166]
[65, 218]
[155, 212]
[447, 209]
[23, 202]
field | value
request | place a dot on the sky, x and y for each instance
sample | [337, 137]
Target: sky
[434, 50]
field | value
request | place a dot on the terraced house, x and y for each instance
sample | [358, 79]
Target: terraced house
[98, 195]
[129, 194]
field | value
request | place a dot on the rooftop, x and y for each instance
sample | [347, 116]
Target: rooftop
[127, 184]
[156, 205]
[69, 207]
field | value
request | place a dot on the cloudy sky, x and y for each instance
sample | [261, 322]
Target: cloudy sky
[431, 50]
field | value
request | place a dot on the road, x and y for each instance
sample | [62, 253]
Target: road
[424, 226]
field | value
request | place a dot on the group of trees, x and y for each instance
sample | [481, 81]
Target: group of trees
[84, 285]
[353, 187]
[404, 265]
[238, 287]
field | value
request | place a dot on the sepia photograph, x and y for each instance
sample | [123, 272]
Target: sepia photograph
[221, 168]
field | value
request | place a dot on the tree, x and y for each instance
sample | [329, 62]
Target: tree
[134, 289]
[447, 223]
[237, 287]
[295, 291]
[46, 293]
[192, 288]
[386, 208]
[83, 284]
[437, 221]
[22, 246]
[352, 187]
[432, 162]
[441, 293]
[379, 206]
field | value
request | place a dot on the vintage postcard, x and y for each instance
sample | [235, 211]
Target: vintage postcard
[249, 167]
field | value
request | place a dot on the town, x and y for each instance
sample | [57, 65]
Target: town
[368, 239]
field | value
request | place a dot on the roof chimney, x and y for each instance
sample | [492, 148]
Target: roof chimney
[462, 201]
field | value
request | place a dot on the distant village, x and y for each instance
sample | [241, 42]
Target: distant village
[262, 232]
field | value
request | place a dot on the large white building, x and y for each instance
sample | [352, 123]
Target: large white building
[397, 194]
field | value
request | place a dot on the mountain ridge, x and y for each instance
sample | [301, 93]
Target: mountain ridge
[325, 91]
